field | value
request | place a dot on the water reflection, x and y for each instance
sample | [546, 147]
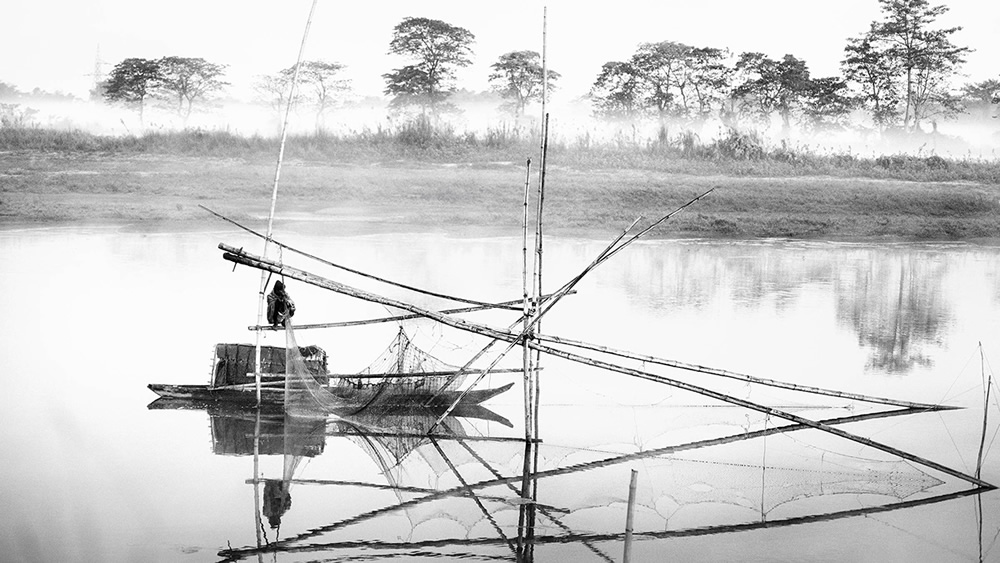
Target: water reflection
[896, 308]
[505, 497]
[892, 297]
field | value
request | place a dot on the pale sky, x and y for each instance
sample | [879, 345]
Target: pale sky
[52, 44]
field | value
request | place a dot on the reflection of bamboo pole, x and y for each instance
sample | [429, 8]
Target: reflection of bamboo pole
[986, 409]
[627, 555]
[473, 496]
[258, 525]
[282, 545]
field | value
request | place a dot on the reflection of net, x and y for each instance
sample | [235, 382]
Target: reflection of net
[713, 489]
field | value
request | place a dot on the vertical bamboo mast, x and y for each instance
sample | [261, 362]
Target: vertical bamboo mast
[274, 195]
[540, 204]
[526, 304]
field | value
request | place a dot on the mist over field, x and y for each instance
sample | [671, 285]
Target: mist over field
[571, 124]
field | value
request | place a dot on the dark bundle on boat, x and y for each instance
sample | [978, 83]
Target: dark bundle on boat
[234, 363]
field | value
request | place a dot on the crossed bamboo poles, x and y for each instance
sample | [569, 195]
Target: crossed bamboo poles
[528, 337]
[240, 256]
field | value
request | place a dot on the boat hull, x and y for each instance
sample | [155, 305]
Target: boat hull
[349, 396]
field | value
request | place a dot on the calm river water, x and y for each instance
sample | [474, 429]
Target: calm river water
[91, 473]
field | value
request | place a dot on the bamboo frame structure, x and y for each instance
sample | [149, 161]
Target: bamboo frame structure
[242, 257]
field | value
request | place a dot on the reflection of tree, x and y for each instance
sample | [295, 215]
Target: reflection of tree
[895, 308]
[890, 296]
[744, 274]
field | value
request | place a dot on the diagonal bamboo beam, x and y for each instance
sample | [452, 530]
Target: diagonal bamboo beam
[742, 377]
[506, 305]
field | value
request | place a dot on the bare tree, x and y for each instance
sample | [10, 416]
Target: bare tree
[189, 79]
[517, 76]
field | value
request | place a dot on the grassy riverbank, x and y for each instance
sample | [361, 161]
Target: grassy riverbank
[385, 181]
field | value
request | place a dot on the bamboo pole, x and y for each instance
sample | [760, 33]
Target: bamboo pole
[274, 191]
[506, 305]
[629, 516]
[739, 376]
[538, 230]
[417, 374]
[525, 305]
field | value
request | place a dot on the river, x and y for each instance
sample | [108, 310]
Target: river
[91, 473]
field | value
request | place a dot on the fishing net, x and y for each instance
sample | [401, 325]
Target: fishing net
[401, 375]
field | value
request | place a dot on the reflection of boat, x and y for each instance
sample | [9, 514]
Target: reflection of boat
[403, 375]
[234, 427]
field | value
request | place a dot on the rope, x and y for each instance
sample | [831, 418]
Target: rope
[965, 464]
[351, 270]
[945, 397]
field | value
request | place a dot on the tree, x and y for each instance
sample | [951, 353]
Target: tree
[661, 67]
[322, 85]
[517, 76]
[617, 92]
[770, 86]
[272, 89]
[925, 57]
[8, 91]
[132, 81]
[873, 71]
[985, 94]
[707, 77]
[827, 103]
[188, 79]
[438, 49]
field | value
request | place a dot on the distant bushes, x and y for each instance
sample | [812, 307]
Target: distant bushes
[419, 138]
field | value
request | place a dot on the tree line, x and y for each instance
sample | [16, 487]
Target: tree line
[898, 73]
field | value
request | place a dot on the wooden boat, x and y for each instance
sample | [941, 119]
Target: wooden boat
[232, 380]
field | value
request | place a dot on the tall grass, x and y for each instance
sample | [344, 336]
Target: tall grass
[735, 152]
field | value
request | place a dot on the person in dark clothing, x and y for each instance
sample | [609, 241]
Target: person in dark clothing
[280, 306]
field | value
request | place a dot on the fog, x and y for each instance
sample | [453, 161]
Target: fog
[572, 124]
